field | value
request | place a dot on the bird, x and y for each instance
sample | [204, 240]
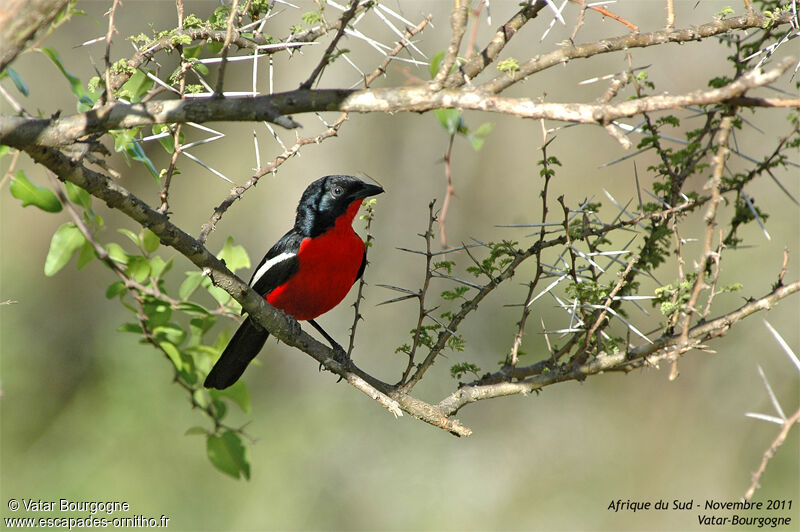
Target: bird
[307, 272]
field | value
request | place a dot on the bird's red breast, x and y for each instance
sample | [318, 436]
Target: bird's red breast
[327, 268]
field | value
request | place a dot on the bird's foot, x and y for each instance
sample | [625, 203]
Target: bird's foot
[340, 356]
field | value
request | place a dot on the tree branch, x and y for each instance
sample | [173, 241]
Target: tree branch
[633, 40]
[534, 377]
[19, 132]
[19, 22]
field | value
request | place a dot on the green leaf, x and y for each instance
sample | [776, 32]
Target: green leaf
[219, 294]
[4, 150]
[158, 312]
[170, 332]
[158, 267]
[138, 268]
[86, 255]
[150, 241]
[193, 308]
[191, 52]
[123, 138]
[169, 141]
[18, 83]
[201, 324]
[192, 431]
[484, 129]
[228, 454]
[44, 198]
[133, 237]
[477, 143]
[126, 143]
[203, 357]
[200, 67]
[136, 87]
[173, 353]
[116, 253]
[237, 393]
[134, 151]
[235, 256]
[436, 60]
[134, 328]
[74, 82]
[450, 119]
[77, 195]
[220, 407]
[190, 284]
[114, 289]
[214, 47]
[200, 398]
[66, 241]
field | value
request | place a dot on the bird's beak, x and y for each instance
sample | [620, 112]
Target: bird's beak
[366, 190]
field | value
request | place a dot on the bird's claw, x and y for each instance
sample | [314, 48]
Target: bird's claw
[341, 357]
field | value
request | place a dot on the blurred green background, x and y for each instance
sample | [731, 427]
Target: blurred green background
[90, 414]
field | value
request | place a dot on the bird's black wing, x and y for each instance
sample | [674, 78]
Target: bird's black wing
[278, 265]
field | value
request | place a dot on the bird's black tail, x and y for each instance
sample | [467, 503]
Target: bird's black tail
[243, 347]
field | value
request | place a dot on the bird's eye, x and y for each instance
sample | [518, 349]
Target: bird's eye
[337, 191]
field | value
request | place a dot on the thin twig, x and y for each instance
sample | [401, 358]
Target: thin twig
[710, 219]
[225, 47]
[108, 94]
[345, 19]
[670, 15]
[361, 282]
[428, 235]
[458, 25]
[606, 13]
[449, 191]
[176, 133]
[770, 452]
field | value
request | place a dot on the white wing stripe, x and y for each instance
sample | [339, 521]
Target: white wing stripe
[269, 264]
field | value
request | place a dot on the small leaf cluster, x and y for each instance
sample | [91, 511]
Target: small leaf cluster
[457, 371]
[428, 337]
[672, 298]
[501, 255]
[509, 65]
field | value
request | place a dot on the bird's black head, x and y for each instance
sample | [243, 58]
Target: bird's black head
[326, 199]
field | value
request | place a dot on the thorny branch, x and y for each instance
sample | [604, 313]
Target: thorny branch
[18, 131]
[539, 375]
